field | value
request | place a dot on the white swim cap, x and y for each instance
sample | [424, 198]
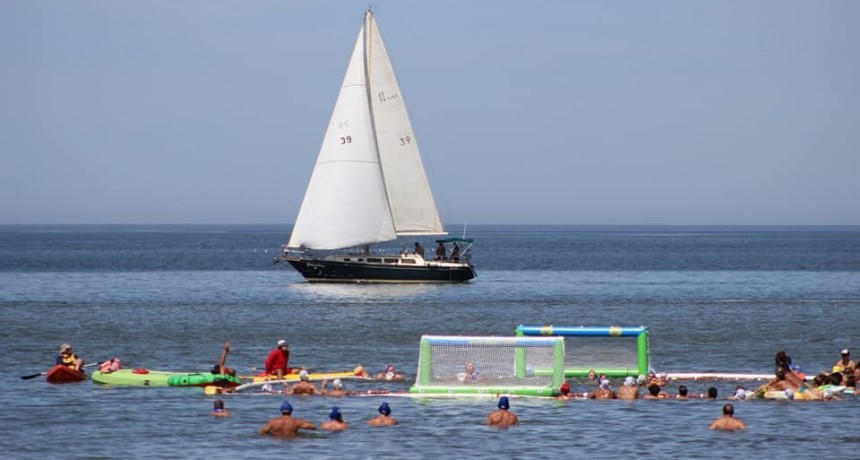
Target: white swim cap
[337, 384]
[303, 375]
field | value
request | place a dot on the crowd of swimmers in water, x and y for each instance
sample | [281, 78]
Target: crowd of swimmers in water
[788, 379]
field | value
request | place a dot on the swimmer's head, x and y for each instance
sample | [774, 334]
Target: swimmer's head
[286, 408]
[219, 404]
[740, 393]
[565, 388]
[789, 394]
[629, 381]
[504, 403]
[303, 375]
[389, 368]
[828, 394]
[641, 379]
[604, 384]
[359, 370]
[337, 384]
[728, 409]
[470, 366]
[335, 414]
[384, 409]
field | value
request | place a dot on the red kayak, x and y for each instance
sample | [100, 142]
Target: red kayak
[65, 374]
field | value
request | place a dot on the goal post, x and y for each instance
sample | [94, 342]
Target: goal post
[614, 351]
[472, 365]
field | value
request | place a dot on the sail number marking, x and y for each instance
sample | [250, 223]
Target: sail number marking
[346, 140]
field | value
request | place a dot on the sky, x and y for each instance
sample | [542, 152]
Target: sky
[665, 112]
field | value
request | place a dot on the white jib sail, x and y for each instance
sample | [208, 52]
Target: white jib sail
[412, 205]
[345, 204]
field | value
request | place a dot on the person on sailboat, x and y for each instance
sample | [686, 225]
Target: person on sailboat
[455, 253]
[441, 253]
[419, 250]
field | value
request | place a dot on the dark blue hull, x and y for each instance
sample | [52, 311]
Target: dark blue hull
[328, 271]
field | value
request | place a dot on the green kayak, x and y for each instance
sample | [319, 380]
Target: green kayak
[149, 378]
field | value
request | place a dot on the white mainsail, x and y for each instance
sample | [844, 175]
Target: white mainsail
[368, 184]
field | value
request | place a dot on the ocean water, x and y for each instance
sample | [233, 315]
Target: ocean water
[715, 299]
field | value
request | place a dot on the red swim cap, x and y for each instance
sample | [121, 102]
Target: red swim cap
[565, 388]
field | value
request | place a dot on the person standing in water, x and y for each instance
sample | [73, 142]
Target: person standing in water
[218, 409]
[384, 418]
[335, 421]
[728, 422]
[503, 416]
[286, 426]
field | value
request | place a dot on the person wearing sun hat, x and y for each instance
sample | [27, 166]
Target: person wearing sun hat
[845, 361]
[285, 425]
[277, 363]
[384, 418]
[503, 416]
[68, 358]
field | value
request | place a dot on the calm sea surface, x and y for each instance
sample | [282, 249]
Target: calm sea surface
[167, 297]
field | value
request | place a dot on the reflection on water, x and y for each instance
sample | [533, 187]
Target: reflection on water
[362, 292]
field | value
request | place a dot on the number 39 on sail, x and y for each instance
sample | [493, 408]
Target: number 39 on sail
[368, 187]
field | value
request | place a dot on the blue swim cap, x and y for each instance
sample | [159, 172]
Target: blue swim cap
[335, 413]
[503, 403]
[384, 409]
[286, 408]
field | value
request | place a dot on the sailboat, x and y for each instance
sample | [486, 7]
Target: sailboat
[369, 187]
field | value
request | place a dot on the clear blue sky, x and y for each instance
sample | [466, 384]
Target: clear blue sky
[546, 112]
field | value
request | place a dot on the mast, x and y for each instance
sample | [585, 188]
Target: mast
[368, 32]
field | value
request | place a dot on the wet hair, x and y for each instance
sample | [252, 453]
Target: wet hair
[712, 393]
[682, 390]
[654, 389]
[836, 378]
[728, 409]
[780, 374]
[219, 404]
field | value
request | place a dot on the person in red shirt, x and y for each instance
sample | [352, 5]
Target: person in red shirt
[278, 360]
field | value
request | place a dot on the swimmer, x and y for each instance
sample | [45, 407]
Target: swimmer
[503, 417]
[739, 395]
[384, 418]
[629, 390]
[565, 392]
[337, 388]
[682, 392]
[592, 376]
[285, 425]
[390, 375]
[335, 421]
[655, 392]
[604, 392]
[712, 393]
[304, 386]
[728, 422]
[218, 409]
[470, 374]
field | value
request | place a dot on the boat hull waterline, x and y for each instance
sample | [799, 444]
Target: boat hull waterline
[329, 271]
